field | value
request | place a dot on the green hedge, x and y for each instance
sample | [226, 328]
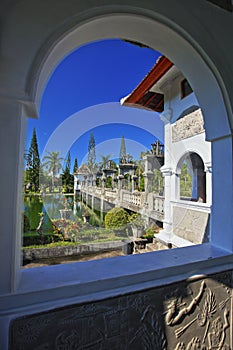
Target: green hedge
[46, 239]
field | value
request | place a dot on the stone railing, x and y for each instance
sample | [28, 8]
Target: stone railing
[110, 193]
[135, 198]
[136, 201]
[158, 204]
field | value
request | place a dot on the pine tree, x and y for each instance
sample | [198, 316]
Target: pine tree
[68, 163]
[67, 177]
[91, 153]
[122, 155]
[75, 168]
[33, 163]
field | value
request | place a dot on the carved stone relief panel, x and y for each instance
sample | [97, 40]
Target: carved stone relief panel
[190, 224]
[190, 125]
[182, 316]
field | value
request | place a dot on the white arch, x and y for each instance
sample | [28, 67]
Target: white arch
[186, 54]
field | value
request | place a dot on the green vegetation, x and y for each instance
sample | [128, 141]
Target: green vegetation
[151, 231]
[51, 245]
[67, 177]
[32, 172]
[52, 162]
[91, 162]
[185, 181]
[116, 217]
[137, 219]
[75, 168]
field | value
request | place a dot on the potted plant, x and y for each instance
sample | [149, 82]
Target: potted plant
[137, 224]
[150, 233]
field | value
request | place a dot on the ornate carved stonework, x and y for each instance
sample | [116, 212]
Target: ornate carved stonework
[183, 316]
[190, 224]
[190, 125]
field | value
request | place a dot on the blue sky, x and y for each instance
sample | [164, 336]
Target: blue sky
[83, 95]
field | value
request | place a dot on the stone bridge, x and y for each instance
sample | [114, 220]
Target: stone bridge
[103, 199]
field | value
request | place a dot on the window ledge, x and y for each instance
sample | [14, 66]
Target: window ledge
[95, 280]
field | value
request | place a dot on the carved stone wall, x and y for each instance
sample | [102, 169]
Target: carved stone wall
[188, 126]
[190, 224]
[183, 316]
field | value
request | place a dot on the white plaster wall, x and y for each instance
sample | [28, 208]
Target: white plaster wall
[173, 100]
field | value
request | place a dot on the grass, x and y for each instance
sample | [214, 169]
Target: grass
[52, 245]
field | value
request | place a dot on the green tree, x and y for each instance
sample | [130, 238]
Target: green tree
[91, 162]
[140, 171]
[68, 163]
[52, 162]
[75, 168]
[122, 154]
[104, 161]
[33, 163]
[67, 177]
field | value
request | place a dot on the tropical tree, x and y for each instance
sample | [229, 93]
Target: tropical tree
[122, 154]
[104, 161]
[33, 163]
[91, 153]
[52, 162]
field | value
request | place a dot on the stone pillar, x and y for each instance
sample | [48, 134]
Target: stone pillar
[85, 181]
[148, 181]
[167, 222]
[12, 149]
[134, 178]
[94, 180]
[75, 184]
[120, 178]
[170, 183]
[208, 171]
[103, 179]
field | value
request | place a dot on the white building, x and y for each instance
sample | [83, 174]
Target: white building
[167, 91]
[116, 304]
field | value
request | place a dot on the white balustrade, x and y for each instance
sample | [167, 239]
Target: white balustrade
[158, 204]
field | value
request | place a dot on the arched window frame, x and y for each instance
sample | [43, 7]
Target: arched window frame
[32, 289]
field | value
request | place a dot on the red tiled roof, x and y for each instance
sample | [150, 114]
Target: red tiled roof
[141, 96]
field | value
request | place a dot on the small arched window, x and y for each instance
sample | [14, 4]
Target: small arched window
[192, 179]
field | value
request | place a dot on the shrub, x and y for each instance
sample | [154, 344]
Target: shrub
[116, 217]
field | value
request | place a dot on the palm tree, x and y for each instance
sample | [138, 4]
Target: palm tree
[105, 160]
[53, 164]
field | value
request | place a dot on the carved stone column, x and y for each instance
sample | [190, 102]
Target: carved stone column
[167, 222]
[120, 178]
